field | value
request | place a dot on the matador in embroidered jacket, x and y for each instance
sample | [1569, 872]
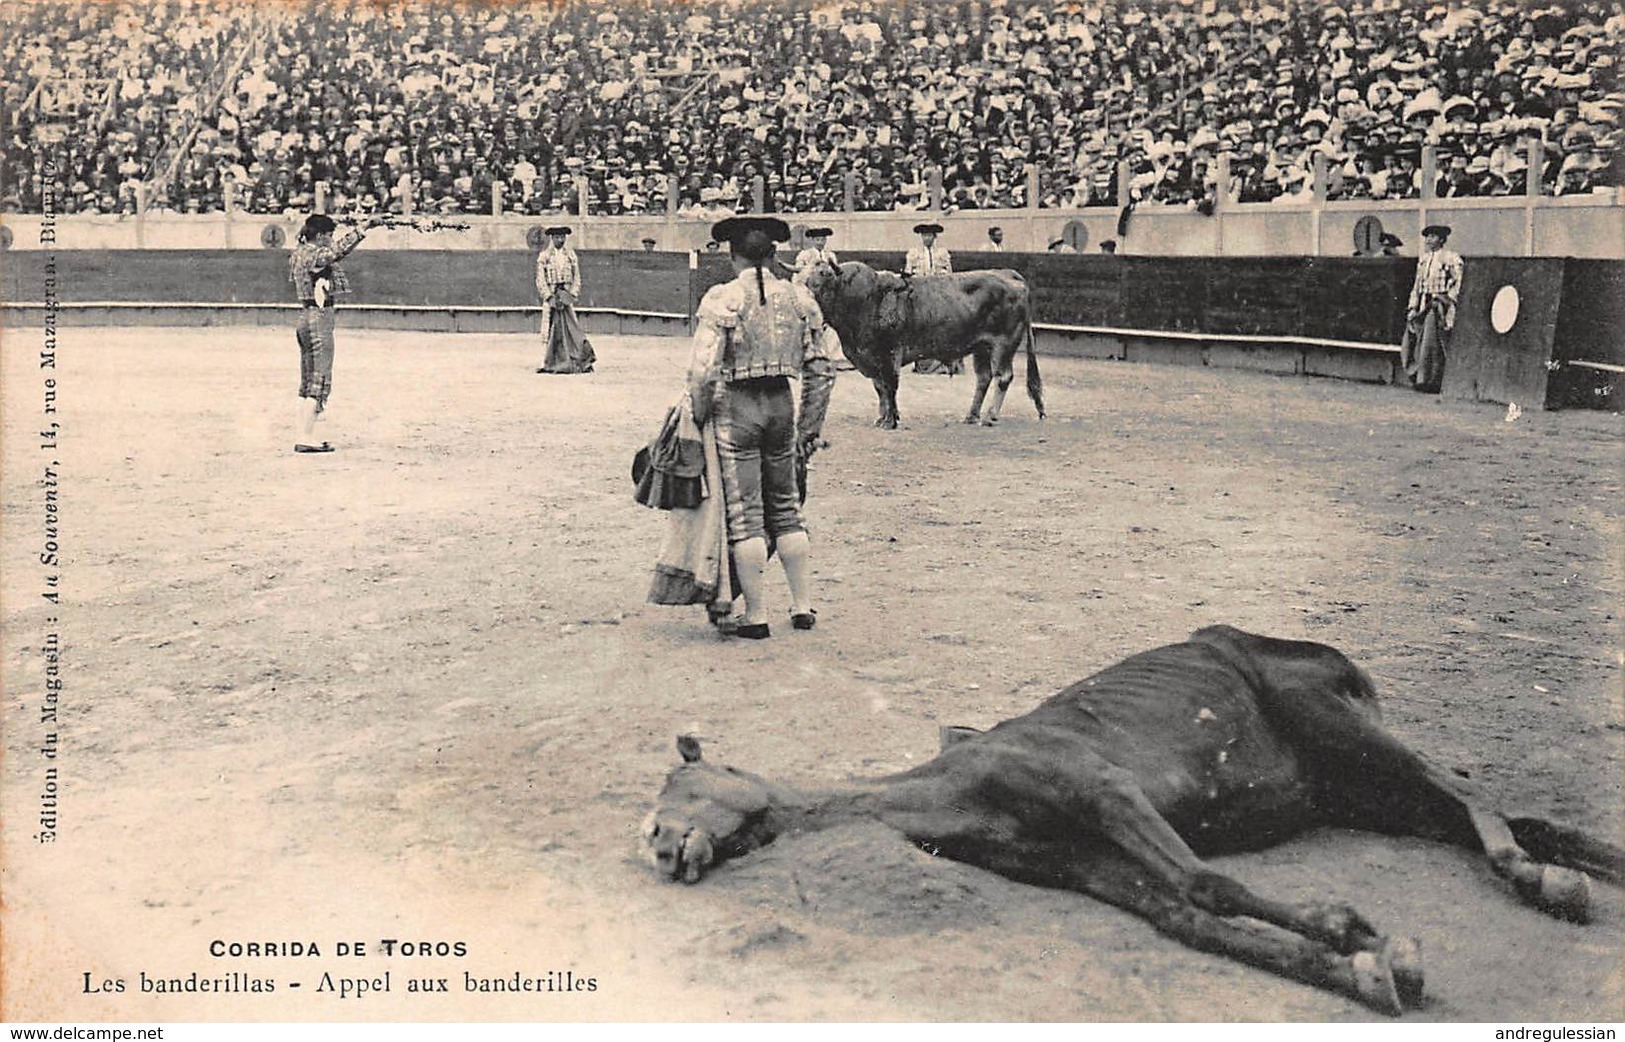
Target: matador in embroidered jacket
[558, 281]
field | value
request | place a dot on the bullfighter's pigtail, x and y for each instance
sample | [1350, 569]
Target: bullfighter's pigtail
[756, 247]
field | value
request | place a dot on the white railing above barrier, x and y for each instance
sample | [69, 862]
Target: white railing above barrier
[1587, 226]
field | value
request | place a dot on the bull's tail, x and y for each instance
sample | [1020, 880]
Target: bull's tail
[1035, 382]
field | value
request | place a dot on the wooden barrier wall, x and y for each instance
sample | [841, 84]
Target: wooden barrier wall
[1486, 364]
[1590, 331]
[1349, 299]
[652, 282]
[1566, 347]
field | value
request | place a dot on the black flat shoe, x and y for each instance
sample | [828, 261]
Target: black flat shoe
[804, 620]
[753, 631]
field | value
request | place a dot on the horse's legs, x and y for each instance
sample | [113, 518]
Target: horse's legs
[983, 797]
[1368, 779]
[1109, 799]
[1386, 977]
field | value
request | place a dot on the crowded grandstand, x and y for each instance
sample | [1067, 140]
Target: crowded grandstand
[712, 107]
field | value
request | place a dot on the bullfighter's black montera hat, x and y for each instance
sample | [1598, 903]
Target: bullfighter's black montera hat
[733, 229]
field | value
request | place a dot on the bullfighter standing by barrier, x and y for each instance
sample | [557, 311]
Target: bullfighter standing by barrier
[313, 268]
[755, 335]
[817, 253]
[928, 258]
[558, 280]
[924, 260]
[1430, 315]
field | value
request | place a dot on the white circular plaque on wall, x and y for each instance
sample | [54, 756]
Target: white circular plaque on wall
[1504, 309]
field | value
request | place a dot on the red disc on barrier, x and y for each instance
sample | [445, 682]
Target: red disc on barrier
[273, 237]
[1076, 235]
[536, 238]
[5, 237]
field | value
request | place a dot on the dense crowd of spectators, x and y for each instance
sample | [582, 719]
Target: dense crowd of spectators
[640, 106]
[96, 89]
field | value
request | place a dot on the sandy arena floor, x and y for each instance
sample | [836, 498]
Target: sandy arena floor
[412, 690]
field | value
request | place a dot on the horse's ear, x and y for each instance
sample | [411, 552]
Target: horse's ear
[688, 747]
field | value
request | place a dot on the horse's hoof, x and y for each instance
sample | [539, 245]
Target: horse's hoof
[971, 417]
[1374, 982]
[991, 421]
[1565, 893]
[1404, 956]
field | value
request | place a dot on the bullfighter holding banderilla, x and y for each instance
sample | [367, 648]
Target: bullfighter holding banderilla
[318, 280]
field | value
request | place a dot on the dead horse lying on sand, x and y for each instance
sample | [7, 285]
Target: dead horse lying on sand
[1115, 786]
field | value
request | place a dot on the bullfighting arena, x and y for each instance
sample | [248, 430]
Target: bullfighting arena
[411, 690]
